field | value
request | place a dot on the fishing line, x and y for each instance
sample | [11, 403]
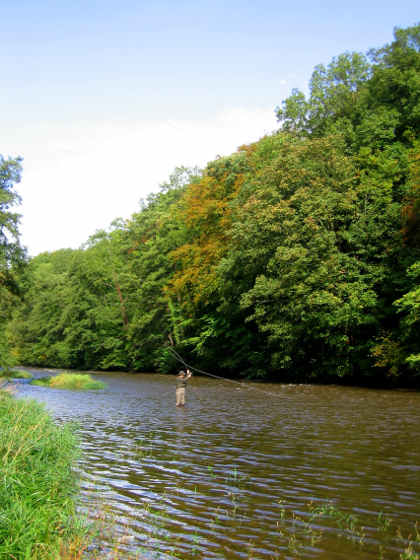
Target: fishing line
[240, 383]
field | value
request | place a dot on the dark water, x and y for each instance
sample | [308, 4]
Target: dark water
[234, 474]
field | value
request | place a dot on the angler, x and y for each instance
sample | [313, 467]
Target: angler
[181, 384]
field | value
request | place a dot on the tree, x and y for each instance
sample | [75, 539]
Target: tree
[371, 100]
[335, 102]
[295, 257]
[12, 255]
[11, 252]
[409, 305]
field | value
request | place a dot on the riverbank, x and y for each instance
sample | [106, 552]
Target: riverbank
[38, 486]
[358, 382]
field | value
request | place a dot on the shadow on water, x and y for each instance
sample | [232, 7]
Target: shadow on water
[233, 474]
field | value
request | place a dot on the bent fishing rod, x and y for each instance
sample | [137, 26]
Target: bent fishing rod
[240, 383]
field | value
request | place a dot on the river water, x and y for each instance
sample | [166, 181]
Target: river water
[262, 471]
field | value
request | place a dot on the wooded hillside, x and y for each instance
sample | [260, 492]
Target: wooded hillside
[295, 258]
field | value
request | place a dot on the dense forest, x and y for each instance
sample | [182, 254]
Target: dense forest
[296, 258]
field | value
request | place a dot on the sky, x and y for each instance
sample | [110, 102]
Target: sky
[103, 99]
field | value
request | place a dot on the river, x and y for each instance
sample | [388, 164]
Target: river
[256, 472]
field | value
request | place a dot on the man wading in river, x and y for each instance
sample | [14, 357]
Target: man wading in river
[181, 383]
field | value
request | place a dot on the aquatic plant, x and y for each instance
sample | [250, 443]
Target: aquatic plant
[20, 374]
[42, 381]
[143, 449]
[301, 530]
[72, 381]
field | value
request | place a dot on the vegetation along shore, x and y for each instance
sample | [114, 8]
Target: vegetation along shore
[38, 486]
[296, 258]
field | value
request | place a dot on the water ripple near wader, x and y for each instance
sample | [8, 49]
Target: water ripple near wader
[231, 475]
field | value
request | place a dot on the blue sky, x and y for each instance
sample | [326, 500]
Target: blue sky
[104, 98]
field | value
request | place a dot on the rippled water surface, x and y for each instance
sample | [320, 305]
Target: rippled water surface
[233, 474]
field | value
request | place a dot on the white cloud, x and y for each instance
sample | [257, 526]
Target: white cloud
[78, 177]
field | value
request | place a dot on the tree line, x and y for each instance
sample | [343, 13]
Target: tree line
[296, 258]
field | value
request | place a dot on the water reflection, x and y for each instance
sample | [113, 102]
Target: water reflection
[231, 475]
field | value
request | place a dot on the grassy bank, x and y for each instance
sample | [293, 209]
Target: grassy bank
[37, 485]
[72, 381]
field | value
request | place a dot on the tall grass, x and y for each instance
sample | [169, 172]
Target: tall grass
[38, 520]
[73, 381]
[20, 374]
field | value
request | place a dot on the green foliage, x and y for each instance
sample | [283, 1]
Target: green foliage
[409, 306]
[294, 258]
[336, 98]
[21, 374]
[12, 256]
[7, 362]
[10, 249]
[70, 381]
[37, 486]
[310, 290]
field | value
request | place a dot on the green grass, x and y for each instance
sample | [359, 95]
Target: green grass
[73, 381]
[38, 520]
[42, 382]
[20, 374]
